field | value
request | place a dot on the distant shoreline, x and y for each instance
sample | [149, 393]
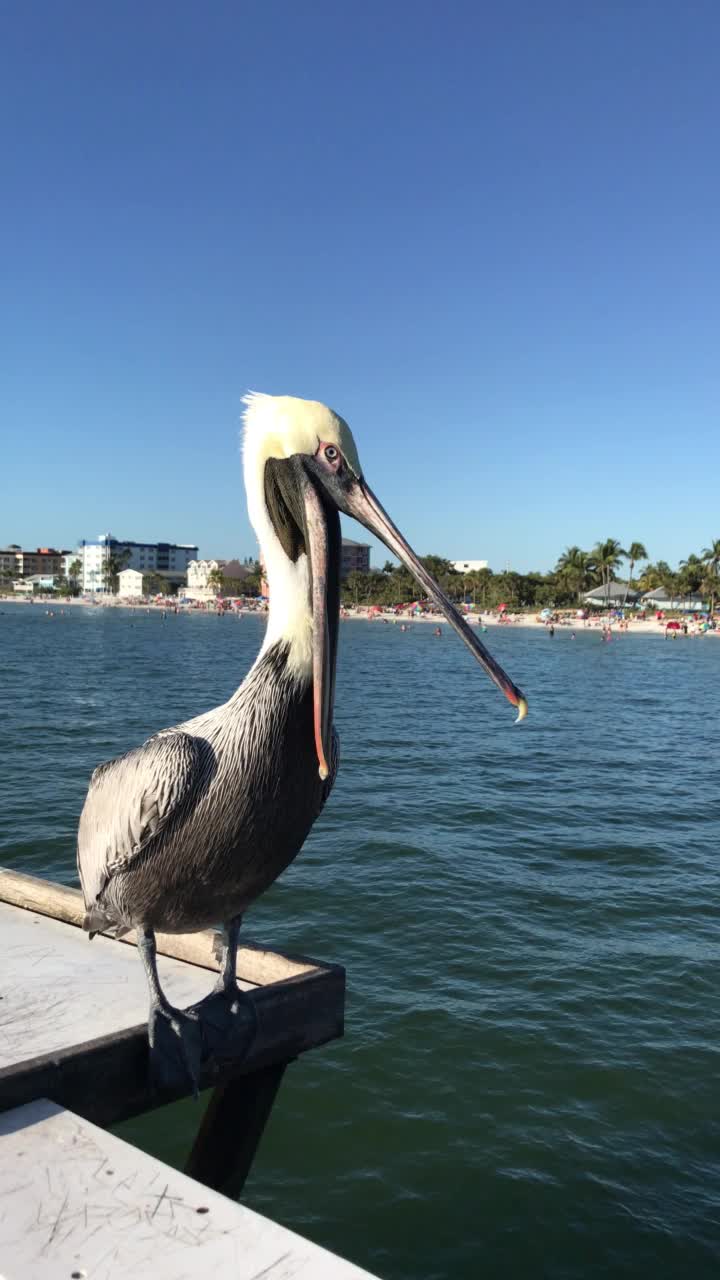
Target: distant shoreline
[648, 627]
[651, 626]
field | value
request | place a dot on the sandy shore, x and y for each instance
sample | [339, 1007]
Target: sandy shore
[649, 627]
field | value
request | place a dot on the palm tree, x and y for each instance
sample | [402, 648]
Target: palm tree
[575, 567]
[711, 556]
[75, 573]
[479, 580]
[657, 575]
[606, 557]
[216, 580]
[692, 574]
[636, 551]
[115, 562]
[153, 584]
[661, 575]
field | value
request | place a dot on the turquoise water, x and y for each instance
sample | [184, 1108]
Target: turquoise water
[528, 1085]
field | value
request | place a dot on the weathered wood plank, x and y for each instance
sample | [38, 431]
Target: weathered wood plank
[78, 1201]
[255, 963]
[73, 1018]
[58, 988]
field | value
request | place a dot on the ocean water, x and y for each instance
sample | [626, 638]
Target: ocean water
[529, 1083]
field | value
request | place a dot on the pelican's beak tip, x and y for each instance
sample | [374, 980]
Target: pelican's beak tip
[323, 771]
[522, 708]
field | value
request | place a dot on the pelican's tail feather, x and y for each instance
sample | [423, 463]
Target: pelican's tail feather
[97, 920]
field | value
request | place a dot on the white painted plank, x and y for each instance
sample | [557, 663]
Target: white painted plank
[59, 990]
[74, 1200]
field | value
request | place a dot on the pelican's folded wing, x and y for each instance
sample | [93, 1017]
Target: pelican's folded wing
[129, 801]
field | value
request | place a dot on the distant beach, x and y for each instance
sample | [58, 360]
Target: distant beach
[563, 620]
[635, 626]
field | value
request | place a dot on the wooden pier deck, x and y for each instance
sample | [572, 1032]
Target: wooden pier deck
[73, 1056]
[78, 1202]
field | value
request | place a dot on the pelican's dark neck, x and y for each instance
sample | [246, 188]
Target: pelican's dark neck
[269, 674]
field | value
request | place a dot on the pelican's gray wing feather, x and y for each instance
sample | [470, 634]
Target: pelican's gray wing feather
[129, 801]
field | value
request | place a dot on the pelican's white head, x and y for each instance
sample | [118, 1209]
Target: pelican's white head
[281, 426]
[302, 468]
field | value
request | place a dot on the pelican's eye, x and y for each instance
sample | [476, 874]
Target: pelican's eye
[329, 456]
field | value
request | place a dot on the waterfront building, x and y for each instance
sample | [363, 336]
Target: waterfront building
[199, 586]
[469, 566]
[68, 558]
[612, 593]
[170, 559]
[8, 561]
[35, 582]
[661, 598]
[198, 572]
[46, 561]
[355, 557]
[130, 583]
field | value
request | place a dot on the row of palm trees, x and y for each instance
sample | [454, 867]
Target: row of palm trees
[581, 570]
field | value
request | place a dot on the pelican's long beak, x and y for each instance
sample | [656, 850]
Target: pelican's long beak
[316, 533]
[301, 496]
[360, 502]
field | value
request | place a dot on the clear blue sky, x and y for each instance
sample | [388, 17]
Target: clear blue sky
[488, 234]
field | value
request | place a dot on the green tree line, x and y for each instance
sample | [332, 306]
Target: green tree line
[576, 572]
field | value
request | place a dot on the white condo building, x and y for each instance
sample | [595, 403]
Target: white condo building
[168, 558]
[197, 579]
[468, 566]
[130, 584]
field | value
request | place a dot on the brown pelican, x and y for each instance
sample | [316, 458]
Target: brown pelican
[187, 830]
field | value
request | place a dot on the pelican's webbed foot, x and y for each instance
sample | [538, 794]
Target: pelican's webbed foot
[176, 1048]
[222, 1026]
[228, 1016]
[228, 1021]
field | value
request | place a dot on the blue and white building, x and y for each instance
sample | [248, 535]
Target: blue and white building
[169, 559]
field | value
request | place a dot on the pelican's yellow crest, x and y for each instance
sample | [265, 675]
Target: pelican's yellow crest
[280, 426]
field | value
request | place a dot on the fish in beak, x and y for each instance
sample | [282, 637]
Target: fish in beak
[337, 486]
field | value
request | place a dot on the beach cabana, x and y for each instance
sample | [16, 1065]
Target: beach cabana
[661, 598]
[613, 594]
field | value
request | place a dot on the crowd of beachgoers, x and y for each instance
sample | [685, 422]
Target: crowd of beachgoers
[614, 622]
[607, 623]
